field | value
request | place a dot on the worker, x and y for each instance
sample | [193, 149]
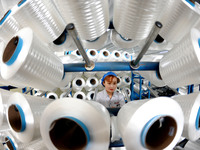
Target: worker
[109, 97]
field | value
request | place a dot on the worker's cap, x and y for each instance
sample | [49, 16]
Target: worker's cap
[107, 74]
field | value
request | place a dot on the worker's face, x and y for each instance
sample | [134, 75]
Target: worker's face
[110, 86]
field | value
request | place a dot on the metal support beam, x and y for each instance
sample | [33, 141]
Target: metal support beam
[72, 31]
[153, 34]
[149, 92]
[111, 66]
[141, 90]
[132, 86]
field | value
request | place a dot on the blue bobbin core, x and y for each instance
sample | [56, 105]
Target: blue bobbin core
[22, 2]
[4, 18]
[197, 125]
[12, 143]
[199, 42]
[16, 52]
[146, 129]
[192, 4]
[23, 121]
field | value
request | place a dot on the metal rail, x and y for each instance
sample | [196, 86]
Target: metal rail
[111, 66]
[72, 31]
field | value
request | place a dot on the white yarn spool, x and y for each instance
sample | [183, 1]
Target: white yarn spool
[68, 77]
[161, 46]
[9, 4]
[100, 86]
[11, 142]
[118, 90]
[111, 9]
[180, 66]
[71, 58]
[177, 17]
[1, 8]
[52, 95]
[78, 84]
[192, 145]
[128, 91]
[8, 26]
[90, 95]
[122, 42]
[134, 19]
[76, 55]
[153, 124]
[152, 76]
[64, 95]
[79, 95]
[119, 81]
[91, 18]
[190, 105]
[96, 43]
[23, 115]
[90, 133]
[42, 16]
[4, 95]
[125, 81]
[91, 83]
[103, 55]
[92, 54]
[126, 56]
[2, 47]
[35, 145]
[197, 25]
[67, 87]
[65, 59]
[115, 56]
[32, 64]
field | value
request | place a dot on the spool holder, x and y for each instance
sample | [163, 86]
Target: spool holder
[89, 65]
[111, 66]
[152, 36]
